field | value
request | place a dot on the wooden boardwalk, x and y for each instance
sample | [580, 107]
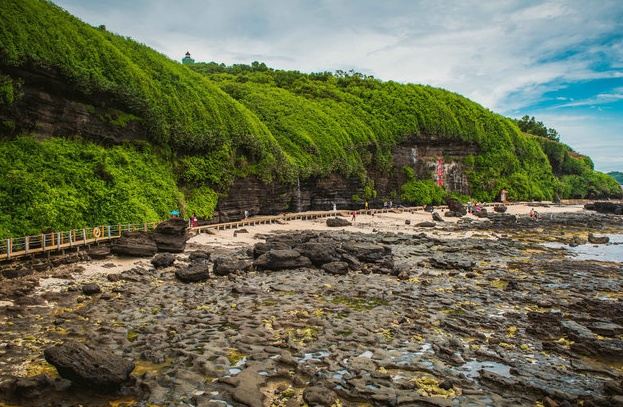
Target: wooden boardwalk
[15, 248]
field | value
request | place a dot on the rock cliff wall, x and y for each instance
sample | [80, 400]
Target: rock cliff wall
[46, 105]
[319, 193]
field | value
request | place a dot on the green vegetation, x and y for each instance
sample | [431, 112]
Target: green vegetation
[617, 175]
[530, 125]
[421, 192]
[56, 184]
[209, 124]
[576, 175]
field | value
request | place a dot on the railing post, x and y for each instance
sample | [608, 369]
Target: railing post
[43, 242]
[26, 244]
[9, 248]
[144, 227]
[71, 238]
[58, 239]
[119, 230]
[108, 227]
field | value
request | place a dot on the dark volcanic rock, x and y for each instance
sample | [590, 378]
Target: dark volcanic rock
[163, 260]
[337, 222]
[319, 396]
[99, 369]
[99, 252]
[171, 235]
[482, 213]
[281, 260]
[319, 253]
[367, 252]
[200, 256]
[437, 217]
[261, 248]
[425, 224]
[336, 267]
[455, 207]
[615, 208]
[90, 289]
[193, 274]
[225, 265]
[598, 239]
[136, 244]
[500, 208]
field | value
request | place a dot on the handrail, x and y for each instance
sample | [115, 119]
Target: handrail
[12, 248]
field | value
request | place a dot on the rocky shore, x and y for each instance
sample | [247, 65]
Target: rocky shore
[466, 312]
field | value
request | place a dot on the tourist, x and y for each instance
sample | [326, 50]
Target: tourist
[391, 204]
[365, 205]
[354, 214]
[193, 221]
[334, 209]
[246, 214]
[469, 207]
[534, 215]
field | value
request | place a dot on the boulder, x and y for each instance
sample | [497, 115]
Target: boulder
[319, 253]
[429, 208]
[171, 235]
[281, 260]
[261, 248]
[598, 239]
[336, 267]
[337, 222]
[91, 289]
[99, 252]
[224, 266]
[407, 222]
[425, 224]
[367, 252]
[163, 260]
[135, 244]
[482, 213]
[456, 207]
[200, 256]
[193, 274]
[319, 396]
[99, 369]
[437, 217]
[615, 208]
[500, 208]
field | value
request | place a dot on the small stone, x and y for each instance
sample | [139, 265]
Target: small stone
[91, 289]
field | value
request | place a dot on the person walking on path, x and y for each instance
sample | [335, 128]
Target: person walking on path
[365, 205]
[354, 216]
[334, 209]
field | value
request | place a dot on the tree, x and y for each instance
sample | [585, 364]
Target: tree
[530, 125]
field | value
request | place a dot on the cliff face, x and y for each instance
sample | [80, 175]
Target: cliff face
[49, 106]
[320, 193]
[46, 105]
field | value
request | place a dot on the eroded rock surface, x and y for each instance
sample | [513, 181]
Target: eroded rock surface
[495, 318]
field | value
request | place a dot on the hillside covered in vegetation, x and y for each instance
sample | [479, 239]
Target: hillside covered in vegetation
[207, 124]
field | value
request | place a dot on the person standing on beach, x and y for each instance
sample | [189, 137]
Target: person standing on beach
[354, 214]
[334, 209]
[365, 205]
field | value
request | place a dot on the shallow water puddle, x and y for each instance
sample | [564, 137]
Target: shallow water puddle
[613, 251]
[472, 368]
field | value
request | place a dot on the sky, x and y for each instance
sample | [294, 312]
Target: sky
[560, 61]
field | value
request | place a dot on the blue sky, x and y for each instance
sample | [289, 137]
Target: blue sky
[561, 61]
